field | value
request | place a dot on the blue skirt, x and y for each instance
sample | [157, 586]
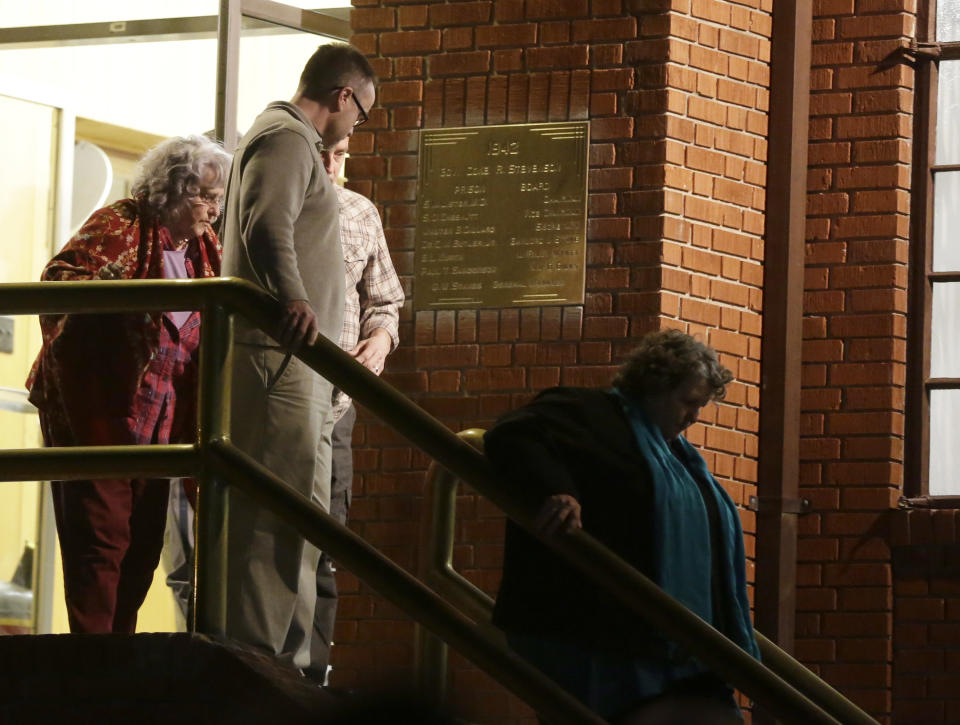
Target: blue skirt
[612, 684]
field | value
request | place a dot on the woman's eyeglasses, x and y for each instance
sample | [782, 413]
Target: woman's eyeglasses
[213, 200]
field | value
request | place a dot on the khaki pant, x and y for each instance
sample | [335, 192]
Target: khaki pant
[325, 616]
[280, 416]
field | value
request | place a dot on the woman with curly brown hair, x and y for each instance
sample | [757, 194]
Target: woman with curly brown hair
[615, 463]
[126, 378]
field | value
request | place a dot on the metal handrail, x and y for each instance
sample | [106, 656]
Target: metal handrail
[421, 603]
[437, 570]
[212, 461]
[418, 601]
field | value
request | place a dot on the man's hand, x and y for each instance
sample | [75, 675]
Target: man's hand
[559, 514]
[373, 351]
[298, 325]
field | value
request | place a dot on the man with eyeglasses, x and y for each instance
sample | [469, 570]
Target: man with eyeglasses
[281, 232]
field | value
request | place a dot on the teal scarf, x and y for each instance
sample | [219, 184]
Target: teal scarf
[682, 530]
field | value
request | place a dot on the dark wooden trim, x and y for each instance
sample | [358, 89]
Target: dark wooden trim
[942, 383]
[917, 402]
[950, 51]
[166, 29]
[784, 246]
[931, 502]
[946, 51]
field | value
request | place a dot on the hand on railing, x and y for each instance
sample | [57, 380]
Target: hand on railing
[560, 514]
[298, 325]
[113, 270]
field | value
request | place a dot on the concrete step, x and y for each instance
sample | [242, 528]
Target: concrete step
[112, 679]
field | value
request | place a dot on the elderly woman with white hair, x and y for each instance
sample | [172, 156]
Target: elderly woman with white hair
[615, 463]
[126, 378]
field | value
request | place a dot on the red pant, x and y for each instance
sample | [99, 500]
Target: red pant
[111, 535]
[111, 531]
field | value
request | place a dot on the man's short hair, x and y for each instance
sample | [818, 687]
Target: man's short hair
[335, 65]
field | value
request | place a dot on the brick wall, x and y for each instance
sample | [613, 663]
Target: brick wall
[926, 605]
[677, 93]
[854, 350]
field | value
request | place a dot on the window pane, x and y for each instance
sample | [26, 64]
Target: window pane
[944, 342]
[948, 20]
[183, 71]
[944, 451]
[270, 66]
[946, 221]
[948, 113]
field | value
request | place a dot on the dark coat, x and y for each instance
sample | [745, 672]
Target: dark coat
[578, 442]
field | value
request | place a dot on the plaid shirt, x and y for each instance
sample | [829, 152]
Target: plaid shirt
[155, 416]
[373, 291]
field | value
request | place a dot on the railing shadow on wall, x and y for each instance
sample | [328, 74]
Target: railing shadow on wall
[218, 465]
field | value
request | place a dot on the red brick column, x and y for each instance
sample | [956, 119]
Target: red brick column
[676, 92]
[854, 351]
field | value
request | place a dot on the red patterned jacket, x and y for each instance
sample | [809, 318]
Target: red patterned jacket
[90, 366]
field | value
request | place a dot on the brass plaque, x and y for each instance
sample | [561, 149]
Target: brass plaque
[502, 216]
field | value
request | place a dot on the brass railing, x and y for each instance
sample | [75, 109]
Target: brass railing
[435, 568]
[217, 465]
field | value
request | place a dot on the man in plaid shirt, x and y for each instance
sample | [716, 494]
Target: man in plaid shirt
[371, 313]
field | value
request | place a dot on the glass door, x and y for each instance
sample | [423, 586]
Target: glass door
[31, 134]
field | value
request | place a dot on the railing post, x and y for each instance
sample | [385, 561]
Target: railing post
[436, 545]
[436, 558]
[213, 410]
